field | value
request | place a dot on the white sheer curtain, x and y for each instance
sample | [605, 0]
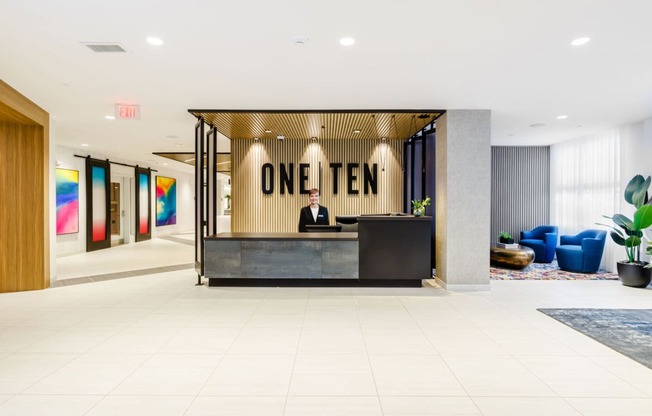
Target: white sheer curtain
[585, 185]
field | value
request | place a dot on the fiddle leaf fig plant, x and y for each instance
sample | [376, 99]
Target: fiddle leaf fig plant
[629, 233]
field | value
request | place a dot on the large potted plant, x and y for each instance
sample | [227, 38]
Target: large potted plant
[630, 233]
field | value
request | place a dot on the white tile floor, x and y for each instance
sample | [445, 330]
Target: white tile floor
[158, 345]
[157, 252]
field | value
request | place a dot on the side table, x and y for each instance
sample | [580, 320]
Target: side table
[516, 259]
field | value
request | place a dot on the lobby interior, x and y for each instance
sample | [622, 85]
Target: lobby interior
[126, 331]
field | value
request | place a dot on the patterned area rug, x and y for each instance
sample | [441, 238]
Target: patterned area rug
[547, 271]
[628, 331]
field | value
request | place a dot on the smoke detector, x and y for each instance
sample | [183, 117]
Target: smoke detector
[300, 40]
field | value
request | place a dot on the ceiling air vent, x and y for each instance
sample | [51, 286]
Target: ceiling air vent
[104, 47]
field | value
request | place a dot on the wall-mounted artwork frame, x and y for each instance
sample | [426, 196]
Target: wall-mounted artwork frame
[98, 210]
[143, 204]
[166, 201]
[67, 185]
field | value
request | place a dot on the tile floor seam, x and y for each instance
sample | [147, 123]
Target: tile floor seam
[371, 368]
[296, 355]
[45, 376]
[227, 351]
[447, 366]
[617, 375]
[554, 390]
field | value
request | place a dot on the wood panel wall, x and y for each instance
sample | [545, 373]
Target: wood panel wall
[24, 213]
[253, 211]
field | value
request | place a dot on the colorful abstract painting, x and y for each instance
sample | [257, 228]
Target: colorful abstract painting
[143, 199]
[67, 201]
[166, 201]
[99, 203]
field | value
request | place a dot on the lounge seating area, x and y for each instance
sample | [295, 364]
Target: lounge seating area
[580, 253]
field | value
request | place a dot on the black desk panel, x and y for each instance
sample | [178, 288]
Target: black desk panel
[395, 247]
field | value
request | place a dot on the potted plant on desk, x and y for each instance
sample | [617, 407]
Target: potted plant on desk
[419, 206]
[629, 234]
[505, 237]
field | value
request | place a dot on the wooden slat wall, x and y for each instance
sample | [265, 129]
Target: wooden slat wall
[24, 192]
[252, 211]
[22, 244]
[520, 189]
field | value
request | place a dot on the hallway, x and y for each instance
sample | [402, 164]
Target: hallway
[167, 253]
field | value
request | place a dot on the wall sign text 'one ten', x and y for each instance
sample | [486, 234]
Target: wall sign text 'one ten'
[288, 181]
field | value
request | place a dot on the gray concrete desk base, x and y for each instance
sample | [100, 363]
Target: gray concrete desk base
[386, 251]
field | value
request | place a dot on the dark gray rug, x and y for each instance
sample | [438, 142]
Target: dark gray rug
[628, 331]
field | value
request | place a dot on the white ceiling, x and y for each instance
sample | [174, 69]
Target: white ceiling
[511, 56]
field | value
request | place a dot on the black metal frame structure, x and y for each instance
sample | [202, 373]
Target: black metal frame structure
[419, 172]
[206, 171]
[199, 199]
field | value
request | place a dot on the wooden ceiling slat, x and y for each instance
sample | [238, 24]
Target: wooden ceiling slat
[242, 124]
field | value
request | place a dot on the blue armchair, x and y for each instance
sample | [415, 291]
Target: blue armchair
[542, 240]
[582, 252]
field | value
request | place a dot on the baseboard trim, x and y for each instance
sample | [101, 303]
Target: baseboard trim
[463, 287]
[212, 282]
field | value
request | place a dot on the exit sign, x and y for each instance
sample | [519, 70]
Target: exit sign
[127, 112]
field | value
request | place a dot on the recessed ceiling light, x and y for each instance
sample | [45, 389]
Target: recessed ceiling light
[268, 131]
[581, 41]
[177, 144]
[164, 163]
[153, 40]
[256, 139]
[300, 40]
[562, 117]
[84, 145]
[109, 117]
[537, 124]
[356, 131]
[347, 41]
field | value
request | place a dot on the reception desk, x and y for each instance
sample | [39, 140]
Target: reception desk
[386, 251]
[281, 256]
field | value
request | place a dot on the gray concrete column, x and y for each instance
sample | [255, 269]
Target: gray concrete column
[463, 199]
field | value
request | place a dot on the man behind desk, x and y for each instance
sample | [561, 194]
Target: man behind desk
[313, 214]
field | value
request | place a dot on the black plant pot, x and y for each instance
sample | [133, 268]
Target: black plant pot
[506, 240]
[634, 274]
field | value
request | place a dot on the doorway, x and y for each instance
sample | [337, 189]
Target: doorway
[116, 211]
[120, 204]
